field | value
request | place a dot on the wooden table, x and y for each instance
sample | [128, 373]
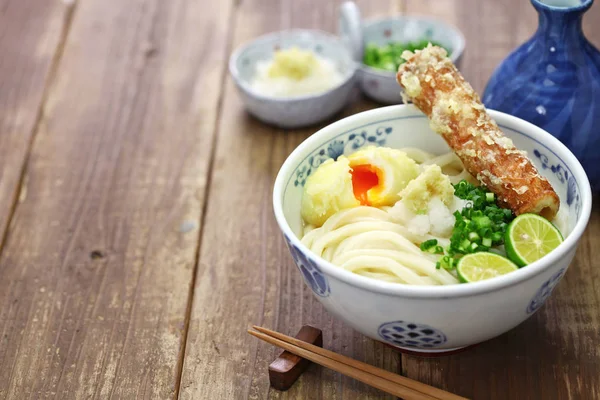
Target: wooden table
[136, 229]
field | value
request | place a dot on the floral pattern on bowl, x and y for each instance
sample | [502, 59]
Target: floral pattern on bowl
[409, 334]
[563, 176]
[544, 292]
[346, 143]
[310, 271]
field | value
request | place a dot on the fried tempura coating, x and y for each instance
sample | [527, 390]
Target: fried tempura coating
[455, 111]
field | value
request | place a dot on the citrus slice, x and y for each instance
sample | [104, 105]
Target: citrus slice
[477, 267]
[530, 237]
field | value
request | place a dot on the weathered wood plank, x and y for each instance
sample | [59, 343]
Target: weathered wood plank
[30, 37]
[553, 354]
[246, 275]
[99, 260]
[98, 266]
[591, 28]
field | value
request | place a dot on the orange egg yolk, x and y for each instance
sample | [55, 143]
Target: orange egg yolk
[364, 178]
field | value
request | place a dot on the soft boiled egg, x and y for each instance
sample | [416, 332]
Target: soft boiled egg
[379, 174]
[373, 176]
[327, 191]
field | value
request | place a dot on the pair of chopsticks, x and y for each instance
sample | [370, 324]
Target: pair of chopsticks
[379, 378]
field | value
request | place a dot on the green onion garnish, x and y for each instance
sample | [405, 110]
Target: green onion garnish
[389, 56]
[479, 226]
[429, 244]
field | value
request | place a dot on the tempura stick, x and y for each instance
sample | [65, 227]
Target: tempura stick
[455, 111]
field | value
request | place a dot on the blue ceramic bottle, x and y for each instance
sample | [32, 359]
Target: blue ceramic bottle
[553, 81]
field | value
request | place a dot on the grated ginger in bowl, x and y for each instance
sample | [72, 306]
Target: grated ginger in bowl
[295, 72]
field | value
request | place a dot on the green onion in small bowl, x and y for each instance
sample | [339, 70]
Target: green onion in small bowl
[384, 40]
[389, 56]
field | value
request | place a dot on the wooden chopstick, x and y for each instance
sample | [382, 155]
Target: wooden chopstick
[369, 379]
[433, 392]
[373, 376]
[415, 385]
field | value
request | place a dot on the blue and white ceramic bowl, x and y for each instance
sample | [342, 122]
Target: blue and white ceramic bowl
[381, 85]
[436, 318]
[300, 110]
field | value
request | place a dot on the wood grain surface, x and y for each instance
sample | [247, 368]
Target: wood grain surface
[140, 244]
[31, 38]
[98, 265]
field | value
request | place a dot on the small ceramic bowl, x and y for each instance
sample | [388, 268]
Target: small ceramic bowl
[429, 319]
[297, 111]
[381, 85]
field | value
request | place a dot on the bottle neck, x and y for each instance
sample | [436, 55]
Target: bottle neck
[556, 25]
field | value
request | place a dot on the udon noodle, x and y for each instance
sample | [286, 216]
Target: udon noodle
[368, 241]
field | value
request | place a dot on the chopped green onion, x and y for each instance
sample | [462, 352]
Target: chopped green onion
[389, 56]
[482, 221]
[473, 236]
[446, 262]
[480, 225]
[465, 243]
[428, 244]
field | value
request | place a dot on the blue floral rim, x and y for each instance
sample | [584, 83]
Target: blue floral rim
[410, 334]
[544, 292]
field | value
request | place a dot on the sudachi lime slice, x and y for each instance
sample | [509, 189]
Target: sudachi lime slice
[530, 237]
[476, 267]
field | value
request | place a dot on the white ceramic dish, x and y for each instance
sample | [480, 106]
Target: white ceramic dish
[297, 111]
[430, 319]
[378, 84]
